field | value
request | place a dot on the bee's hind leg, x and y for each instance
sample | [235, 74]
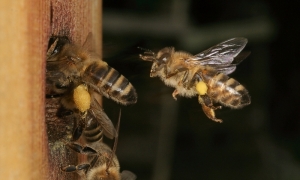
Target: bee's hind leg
[208, 107]
[79, 128]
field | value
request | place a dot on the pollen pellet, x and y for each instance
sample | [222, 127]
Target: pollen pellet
[201, 87]
[82, 98]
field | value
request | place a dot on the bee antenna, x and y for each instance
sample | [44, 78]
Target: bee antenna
[148, 55]
[144, 49]
[115, 143]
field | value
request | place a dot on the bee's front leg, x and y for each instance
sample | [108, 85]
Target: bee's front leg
[208, 107]
[176, 71]
[174, 94]
[73, 168]
[184, 80]
[168, 75]
[81, 149]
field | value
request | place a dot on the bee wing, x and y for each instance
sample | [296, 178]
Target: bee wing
[221, 56]
[229, 68]
[225, 69]
[127, 175]
[98, 113]
[89, 43]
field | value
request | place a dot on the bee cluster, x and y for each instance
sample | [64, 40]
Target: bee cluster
[77, 75]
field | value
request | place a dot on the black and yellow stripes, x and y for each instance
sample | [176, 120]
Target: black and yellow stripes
[110, 83]
[93, 132]
[225, 90]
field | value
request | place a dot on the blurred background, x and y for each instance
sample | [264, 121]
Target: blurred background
[162, 139]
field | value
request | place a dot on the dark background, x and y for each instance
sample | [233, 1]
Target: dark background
[164, 139]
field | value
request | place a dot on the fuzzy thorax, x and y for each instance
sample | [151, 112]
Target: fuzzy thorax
[100, 172]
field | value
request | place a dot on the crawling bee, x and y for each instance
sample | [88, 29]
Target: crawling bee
[70, 65]
[103, 163]
[204, 74]
[90, 118]
[77, 74]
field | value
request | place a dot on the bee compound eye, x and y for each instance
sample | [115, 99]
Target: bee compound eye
[164, 58]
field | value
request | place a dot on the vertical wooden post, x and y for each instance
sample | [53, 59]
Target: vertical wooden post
[25, 30]
[23, 37]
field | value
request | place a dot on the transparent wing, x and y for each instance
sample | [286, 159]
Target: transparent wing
[221, 56]
[222, 53]
[127, 175]
[229, 68]
[98, 113]
[89, 43]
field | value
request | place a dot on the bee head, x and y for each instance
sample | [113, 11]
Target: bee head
[162, 58]
[164, 55]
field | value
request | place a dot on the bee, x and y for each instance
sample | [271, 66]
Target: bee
[204, 74]
[70, 65]
[91, 120]
[77, 74]
[103, 163]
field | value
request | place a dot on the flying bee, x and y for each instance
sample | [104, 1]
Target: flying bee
[103, 163]
[204, 74]
[69, 65]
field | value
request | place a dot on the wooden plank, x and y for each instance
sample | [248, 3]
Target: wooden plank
[25, 29]
[23, 35]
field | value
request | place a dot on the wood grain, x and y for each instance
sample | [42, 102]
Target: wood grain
[25, 30]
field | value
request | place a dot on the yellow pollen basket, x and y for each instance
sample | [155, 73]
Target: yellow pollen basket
[201, 87]
[82, 98]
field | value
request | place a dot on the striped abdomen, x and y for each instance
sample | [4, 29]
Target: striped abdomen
[110, 83]
[225, 90]
[93, 131]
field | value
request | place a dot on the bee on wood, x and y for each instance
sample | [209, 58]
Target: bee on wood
[69, 65]
[204, 74]
[102, 162]
[77, 74]
[80, 105]
[91, 120]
